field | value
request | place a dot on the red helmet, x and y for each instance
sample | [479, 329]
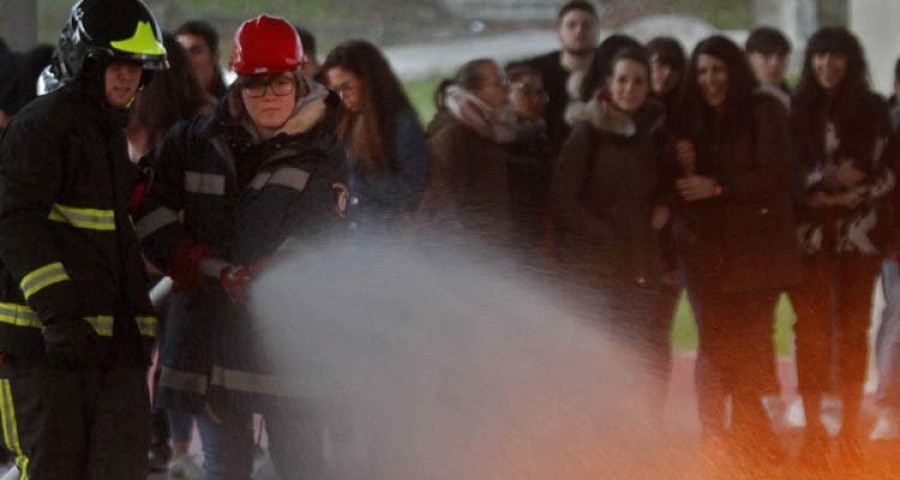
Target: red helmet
[266, 45]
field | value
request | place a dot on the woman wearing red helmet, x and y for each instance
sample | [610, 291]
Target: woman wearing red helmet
[264, 169]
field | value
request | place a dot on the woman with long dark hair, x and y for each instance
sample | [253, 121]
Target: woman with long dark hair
[381, 132]
[735, 235]
[174, 95]
[840, 127]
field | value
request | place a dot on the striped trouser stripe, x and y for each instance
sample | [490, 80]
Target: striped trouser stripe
[11, 428]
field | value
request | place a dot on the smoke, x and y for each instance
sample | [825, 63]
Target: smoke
[432, 362]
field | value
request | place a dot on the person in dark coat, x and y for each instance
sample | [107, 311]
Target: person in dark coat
[532, 157]
[468, 179]
[381, 132]
[76, 324]
[564, 71]
[667, 61]
[840, 129]
[262, 173]
[768, 51]
[201, 42]
[734, 229]
[609, 203]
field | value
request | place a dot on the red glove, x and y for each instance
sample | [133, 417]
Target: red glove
[183, 264]
[236, 281]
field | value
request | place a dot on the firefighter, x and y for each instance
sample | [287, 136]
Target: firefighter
[76, 324]
[263, 170]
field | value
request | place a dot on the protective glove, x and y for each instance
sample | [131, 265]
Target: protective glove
[72, 344]
[183, 264]
[236, 281]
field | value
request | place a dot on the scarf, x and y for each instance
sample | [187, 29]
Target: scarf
[495, 124]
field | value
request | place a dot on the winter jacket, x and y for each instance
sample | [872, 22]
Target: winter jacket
[744, 239]
[819, 146]
[248, 199]
[379, 200]
[67, 244]
[467, 182]
[604, 190]
[555, 78]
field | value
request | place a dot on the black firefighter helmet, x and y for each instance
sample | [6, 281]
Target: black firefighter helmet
[104, 30]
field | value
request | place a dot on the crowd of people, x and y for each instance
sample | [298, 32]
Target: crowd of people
[635, 170]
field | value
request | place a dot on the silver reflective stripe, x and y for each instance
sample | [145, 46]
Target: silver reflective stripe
[208, 183]
[286, 177]
[290, 177]
[260, 180]
[180, 380]
[249, 382]
[154, 221]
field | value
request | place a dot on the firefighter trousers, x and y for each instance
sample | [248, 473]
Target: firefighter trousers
[64, 424]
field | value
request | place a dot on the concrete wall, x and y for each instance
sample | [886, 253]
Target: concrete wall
[877, 24]
[18, 23]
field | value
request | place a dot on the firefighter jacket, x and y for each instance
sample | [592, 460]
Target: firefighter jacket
[68, 248]
[247, 199]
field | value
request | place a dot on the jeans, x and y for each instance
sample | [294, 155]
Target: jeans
[227, 446]
[887, 340]
[295, 444]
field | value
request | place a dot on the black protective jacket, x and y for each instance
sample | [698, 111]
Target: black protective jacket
[67, 243]
[247, 199]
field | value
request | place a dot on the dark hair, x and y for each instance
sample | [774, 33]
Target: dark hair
[469, 77]
[383, 102]
[174, 94]
[601, 67]
[897, 70]
[669, 52]
[4, 48]
[202, 29]
[768, 40]
[848, 108]
[308, 40]
[582, 5]
[517, 70]
[635, 54]
[693, 116]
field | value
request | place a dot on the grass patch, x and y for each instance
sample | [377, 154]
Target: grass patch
[421, 95]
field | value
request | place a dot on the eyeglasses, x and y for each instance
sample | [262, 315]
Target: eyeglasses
[281, 86]
[531, 91]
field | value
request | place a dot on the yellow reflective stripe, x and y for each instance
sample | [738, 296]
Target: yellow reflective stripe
[143, 42]
[103, 324]
[43, 277]
[11, 428]
[147, 325]
[88, 218]
[22, 316]
[19, 316]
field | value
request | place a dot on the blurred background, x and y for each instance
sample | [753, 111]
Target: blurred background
[426, 40]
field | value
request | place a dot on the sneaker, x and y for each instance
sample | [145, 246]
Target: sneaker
[184, 468]
[887, 425]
